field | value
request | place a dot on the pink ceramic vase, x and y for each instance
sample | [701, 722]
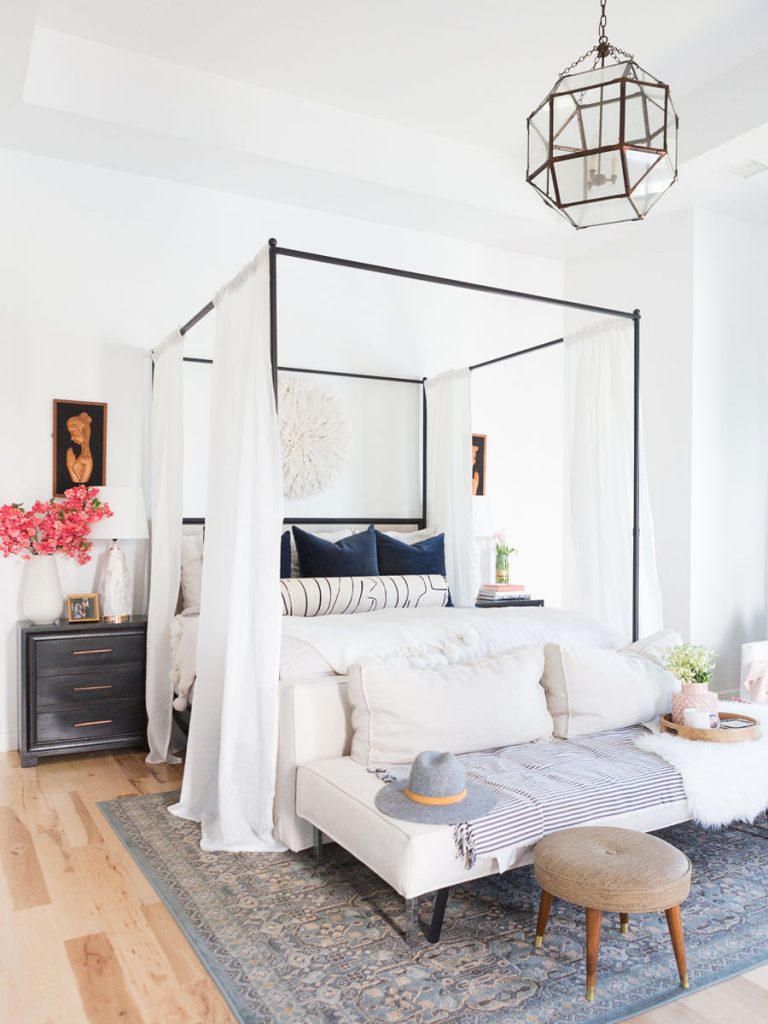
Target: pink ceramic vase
[693, 695]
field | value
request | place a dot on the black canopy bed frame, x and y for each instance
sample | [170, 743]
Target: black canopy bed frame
[420, 522]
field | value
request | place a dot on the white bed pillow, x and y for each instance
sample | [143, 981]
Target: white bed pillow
[191, 571]
[413, 536]
[592, 690]
[398, 711]
[309, 596]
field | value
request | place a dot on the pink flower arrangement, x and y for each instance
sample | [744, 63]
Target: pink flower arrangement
[53, 526]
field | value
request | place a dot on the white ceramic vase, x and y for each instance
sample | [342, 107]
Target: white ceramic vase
[41, 600]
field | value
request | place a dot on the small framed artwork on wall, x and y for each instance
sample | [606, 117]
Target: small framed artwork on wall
[479, 443]
[79, 444]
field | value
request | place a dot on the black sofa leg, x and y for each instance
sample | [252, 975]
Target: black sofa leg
[438, 914]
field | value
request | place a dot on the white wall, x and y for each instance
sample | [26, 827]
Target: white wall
[97, 266]
[729, 479]
[699, 280]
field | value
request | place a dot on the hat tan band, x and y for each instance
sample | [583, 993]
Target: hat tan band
[435, 801]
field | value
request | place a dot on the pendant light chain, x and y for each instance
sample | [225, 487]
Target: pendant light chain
[601, 49]
[601, 33]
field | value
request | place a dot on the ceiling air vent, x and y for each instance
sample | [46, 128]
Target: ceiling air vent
[749, 168]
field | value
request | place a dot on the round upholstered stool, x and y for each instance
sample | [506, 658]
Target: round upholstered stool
[615, 870]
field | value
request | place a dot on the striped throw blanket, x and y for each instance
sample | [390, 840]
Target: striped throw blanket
[545, 787]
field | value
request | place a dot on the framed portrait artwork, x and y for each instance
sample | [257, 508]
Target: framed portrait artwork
[479, 443]
[79, 444]
[83, 607]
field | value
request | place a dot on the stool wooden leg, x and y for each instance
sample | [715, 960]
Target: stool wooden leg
[675, 925]
[594, 921]
[624, 923]
[545, 905]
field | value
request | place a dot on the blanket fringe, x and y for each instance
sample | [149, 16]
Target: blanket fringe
[466, 849]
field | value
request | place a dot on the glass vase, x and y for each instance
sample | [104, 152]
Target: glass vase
[502, 568]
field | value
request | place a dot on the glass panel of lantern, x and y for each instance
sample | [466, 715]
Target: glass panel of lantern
[538, 137]
[644, 115]
[655, 183]
[611, 211]
[585, 178]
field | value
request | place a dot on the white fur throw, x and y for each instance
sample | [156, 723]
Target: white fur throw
[314, 437]
[723, 782]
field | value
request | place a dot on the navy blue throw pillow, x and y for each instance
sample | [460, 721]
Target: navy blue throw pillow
[396, 558]
[285, 556]
[353, 556]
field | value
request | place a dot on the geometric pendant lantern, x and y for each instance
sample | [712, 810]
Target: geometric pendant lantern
[602, 145]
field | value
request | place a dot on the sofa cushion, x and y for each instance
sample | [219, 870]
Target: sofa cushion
[590, 690]
[399, 711]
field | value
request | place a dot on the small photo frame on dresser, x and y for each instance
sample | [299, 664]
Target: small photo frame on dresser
[83, 608]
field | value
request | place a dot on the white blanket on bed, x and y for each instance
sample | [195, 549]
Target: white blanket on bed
[723, 782]
[439, 636]
[184, 630]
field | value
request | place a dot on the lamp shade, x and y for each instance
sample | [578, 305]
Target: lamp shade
[128, 521]
[482, 517]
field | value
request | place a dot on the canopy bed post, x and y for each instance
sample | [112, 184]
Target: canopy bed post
[273, 311]
[636, 480]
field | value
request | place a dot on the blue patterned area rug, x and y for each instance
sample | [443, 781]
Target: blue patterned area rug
[287, 941]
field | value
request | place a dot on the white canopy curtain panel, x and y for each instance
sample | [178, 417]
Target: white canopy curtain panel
[449, 475]
[166, 460]
[599, 433]
[229, 774]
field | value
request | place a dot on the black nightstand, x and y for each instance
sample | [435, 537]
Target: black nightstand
[81, 687]
[528, 603]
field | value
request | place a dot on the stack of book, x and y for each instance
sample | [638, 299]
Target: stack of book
[503, 592]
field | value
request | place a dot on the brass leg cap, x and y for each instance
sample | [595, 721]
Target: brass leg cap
[538, 942]
[684, 983]
[625, 929]
[590, 993]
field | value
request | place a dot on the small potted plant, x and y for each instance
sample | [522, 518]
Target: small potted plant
[503, 551]
[48, 528]
[693, 665]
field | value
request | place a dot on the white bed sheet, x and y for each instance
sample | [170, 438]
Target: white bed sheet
[298, 658]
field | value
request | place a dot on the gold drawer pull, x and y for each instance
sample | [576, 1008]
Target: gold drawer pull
[93, 650]
[82, 689]
[102, 721]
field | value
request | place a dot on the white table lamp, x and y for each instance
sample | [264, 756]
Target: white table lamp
[128, 522]
[482, 517]
[483, 531]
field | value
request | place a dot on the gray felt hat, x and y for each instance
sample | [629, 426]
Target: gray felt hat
[436, 793]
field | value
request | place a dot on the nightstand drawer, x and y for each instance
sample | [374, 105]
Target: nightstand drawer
[96, 684]
[97, 721]
[73, 654]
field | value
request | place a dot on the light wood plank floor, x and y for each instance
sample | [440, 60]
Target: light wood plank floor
[85, 940]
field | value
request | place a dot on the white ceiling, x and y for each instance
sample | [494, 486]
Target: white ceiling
[409, 112]
[470, 70]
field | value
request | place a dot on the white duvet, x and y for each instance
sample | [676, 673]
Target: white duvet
[437, 636]
[329, 644]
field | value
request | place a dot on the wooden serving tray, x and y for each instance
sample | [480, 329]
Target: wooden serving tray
[687, 732]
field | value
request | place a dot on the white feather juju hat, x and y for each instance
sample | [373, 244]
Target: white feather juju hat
[314, 435]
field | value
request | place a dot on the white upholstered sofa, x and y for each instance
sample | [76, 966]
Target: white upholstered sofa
[322, 789]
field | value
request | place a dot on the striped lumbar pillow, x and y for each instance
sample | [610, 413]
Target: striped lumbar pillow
[348, 595]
